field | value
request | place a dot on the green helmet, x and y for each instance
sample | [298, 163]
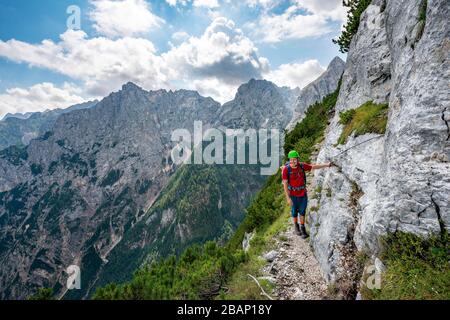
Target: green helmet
[293, 154]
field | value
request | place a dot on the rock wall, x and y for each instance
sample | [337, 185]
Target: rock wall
[399, 180]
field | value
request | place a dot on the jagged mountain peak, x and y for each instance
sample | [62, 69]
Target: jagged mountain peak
[179, 93]
[131, 86]
[256, 84]
[186, 92]
[337, 62]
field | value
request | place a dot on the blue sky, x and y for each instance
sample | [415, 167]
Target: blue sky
[207, 45]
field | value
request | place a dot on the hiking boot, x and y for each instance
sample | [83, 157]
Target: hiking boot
[303, 232]
[297, 230]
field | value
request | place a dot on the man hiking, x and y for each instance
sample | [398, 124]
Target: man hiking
[294, 184]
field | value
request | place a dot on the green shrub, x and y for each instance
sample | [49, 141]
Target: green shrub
[422, 18]
[368, 118]
[416, 268]
[423, 10]
[199, 273]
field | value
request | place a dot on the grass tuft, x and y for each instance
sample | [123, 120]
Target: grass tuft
[368, 118]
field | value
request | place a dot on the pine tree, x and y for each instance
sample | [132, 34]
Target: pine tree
[356, 8]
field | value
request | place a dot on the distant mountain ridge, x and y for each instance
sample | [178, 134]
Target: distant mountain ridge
[18, 129]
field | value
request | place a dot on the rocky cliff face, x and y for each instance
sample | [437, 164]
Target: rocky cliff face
[399, 180]
[68, 197]
[258, 103]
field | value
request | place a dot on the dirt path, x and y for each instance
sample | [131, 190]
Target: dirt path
[295, 270]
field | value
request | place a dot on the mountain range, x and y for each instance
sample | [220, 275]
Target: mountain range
[97, 187]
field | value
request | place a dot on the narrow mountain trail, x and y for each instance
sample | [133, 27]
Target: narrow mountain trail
[292, 266]
[295, 270]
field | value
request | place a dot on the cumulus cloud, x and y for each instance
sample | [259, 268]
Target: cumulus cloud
[39, 98]
[213, 87]
[296, 74]
[222, 52]
[217, 62]
[102, 64]
[121, 18]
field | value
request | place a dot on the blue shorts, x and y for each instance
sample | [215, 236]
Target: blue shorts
[299, 205]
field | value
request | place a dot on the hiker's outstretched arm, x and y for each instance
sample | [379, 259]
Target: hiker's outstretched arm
[321, 166]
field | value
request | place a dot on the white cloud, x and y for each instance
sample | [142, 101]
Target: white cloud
[215, 63]
[206, 3]
[327, 8]
[332, 9]
[215, 88]
[102, 64]
[39, 98]
[302, 19]
[296, 74]
[222, 53]
[121, 18]
[273, 28]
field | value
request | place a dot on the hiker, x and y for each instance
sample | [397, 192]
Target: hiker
[294, 183]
